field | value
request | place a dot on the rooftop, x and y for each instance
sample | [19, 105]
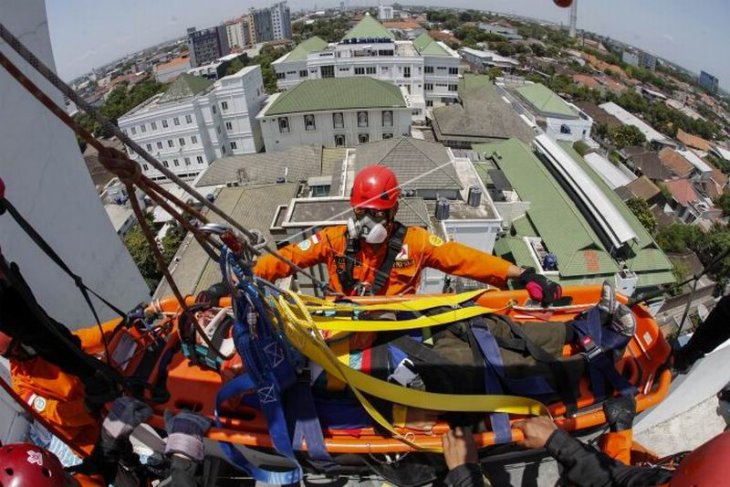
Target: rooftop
[173, 64]
[693, 141]
[673, 160]
[627, 118]
[585, 80]
[598, 114]
[545, 101]
[368, 28]
[337, 94]
[682, 191]
[610, 173]
[641, 188]
[185, 86]
[427, 46]
[300, 53]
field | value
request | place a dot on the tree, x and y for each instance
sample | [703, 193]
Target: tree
[679, 237]
[494, 73]
[143, 256]
[626, 136]
[172, 240]
[640, 208]
[581, 147]
[723, 202]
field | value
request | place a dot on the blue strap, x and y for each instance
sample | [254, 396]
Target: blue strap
[396, 355]
[300, 406]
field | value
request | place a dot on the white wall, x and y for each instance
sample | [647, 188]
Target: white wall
[47, 180]
[577, 128]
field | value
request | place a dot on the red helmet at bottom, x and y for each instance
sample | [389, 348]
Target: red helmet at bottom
[24, 464]
[707, 465]
[375, 187]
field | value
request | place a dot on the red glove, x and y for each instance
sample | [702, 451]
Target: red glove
[539, 287]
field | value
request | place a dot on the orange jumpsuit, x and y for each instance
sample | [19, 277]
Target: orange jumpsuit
[420, 249]
[59, 397]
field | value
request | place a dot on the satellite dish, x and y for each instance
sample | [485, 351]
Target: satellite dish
[563, 3]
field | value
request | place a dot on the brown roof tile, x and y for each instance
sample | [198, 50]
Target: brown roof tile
[693, 141]
[682, 191]
[674, 161]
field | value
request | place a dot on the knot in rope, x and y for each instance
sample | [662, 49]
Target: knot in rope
[117, 162]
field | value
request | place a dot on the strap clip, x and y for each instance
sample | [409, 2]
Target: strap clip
[591, 349]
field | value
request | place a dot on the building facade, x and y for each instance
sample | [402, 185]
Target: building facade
[709, 82]
[166, 72]
[335, 113]
[385, 12]
[559, 119]
[271, 23]
[238, 33]
[207, 45]
[198, 121]
[428, 70]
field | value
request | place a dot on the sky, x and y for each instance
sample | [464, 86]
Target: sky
[89, 33]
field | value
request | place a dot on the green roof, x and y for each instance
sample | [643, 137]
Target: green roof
[186, 85]
[313, 44]
[337, 94]
[427, 46]
[367, 28]
[471, 80]
[545, 100]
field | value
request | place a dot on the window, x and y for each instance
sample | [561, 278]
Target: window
[153, 125]
[283, 125]
[134, 130]
[181, 141]
[164, 124]
[280, 75]
[362, 119]
[188, 119]
[407, 72]
[229, 126]
[363, 138]
[338, 120]
[428, 86]
[176, 162]
[303, 73]
[145, 167]
[170, 143]
[194, 139]
[452, 87]
[124, 131]
[199, 159]
[149, 147]
[370, 70]
[564, 129]
[327, 71]
[387, 136]
[159, 145]
[223, 149]
[234, 145]
[224, 105]
[213, 109]
[388, 118]
[165, 163]
[339, 140]
[176, 121]
[453, 70]
[384, 69]
[187, 161]
[142, 128]
[309, 122]
[359, 70]
[429, 103]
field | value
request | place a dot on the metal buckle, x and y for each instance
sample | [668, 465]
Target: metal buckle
[591, 349]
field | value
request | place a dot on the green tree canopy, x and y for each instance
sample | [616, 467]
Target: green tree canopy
[640, 208]
[626, 136]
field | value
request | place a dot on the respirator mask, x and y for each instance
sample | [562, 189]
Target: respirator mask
[365, 226]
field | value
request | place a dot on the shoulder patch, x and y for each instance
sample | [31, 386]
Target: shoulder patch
[39, 404]
[435, 241]
[305, 245]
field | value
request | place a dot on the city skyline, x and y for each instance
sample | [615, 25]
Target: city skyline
[85, 35]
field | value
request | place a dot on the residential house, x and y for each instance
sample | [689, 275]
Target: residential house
[688, 204]
[693, 141]
[654, 137]
[560, 120]
[483, 60]
[166, 72]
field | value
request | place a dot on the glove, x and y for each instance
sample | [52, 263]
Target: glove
[620, 413]
[539, 287]
[126, 414]
[185, 434]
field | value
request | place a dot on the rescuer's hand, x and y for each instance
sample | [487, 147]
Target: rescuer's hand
[126, 414]
[459, 447]
[186, 432]
[539, 287]
[620, 412]
[536, 431]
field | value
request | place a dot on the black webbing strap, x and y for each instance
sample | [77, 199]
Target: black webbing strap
[395, 243]
[344, 274]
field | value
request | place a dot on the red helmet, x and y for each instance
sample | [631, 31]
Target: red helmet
[375, 187]
[705, 466]
[25, 464]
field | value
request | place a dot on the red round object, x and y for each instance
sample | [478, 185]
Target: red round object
[23, 464]
[707, 465]
[563, 3]
[375, 187]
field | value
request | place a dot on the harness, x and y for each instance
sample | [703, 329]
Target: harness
[345, 273]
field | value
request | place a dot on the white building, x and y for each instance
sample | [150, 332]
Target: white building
[487, 59]
[427, 69]
[238, 32]
[501, 28]
[335, 113]
[385, 12]
[166, 72]
[196, 121]
[559, 119]
[627, 118]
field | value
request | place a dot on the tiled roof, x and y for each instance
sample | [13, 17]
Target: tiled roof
[693, 141]
[648, 163]
[369, 28]
[313, 44]
[545, 100]
[585, 80]
[298, 163]
[674, 161]
[598, 114]
[417, 164]
[185, 86]
[172, 63]
[481, 116]
[337, 94]
[639, 188]
[401, 25]
[682, 191]
[427, 46]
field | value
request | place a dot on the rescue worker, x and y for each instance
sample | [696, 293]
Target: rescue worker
[374, 254]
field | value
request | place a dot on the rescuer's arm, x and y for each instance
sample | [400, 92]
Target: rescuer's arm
[91, 341]
[306, 253]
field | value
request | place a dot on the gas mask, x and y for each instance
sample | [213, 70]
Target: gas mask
[368, 229]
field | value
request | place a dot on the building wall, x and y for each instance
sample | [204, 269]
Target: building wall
[212, 131]
[48, 182]
[207, 45]
[579, 129]
[238, 34]
[708, 81]
[440, 80]
[324, 132]
[281, 21]
[385, 12]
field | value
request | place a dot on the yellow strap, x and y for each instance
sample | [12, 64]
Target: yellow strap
[451, 316]
[304, 335]
[415, 304]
